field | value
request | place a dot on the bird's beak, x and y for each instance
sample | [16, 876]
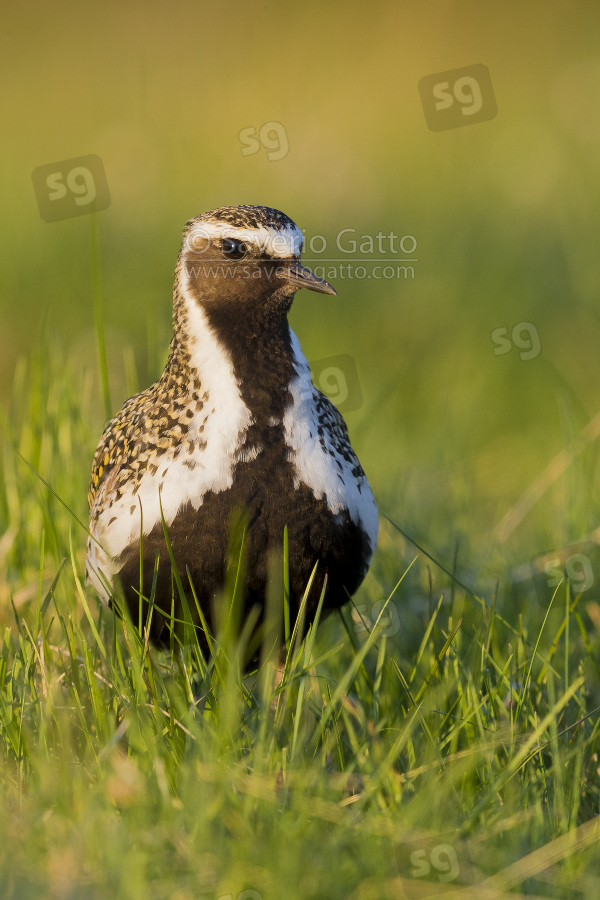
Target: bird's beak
[299, 276]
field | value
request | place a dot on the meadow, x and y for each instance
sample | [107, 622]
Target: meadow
[440, 735]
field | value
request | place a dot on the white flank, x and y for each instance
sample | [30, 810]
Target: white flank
[278, 242]
[314, 465]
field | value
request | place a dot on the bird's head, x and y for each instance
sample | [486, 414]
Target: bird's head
[245, 256]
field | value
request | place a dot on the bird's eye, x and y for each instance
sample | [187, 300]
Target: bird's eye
[234, 249]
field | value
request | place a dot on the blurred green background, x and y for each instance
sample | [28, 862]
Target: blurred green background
[504, 213]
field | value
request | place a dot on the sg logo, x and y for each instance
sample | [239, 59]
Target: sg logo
[524, 336]
[436, 863]
[577, 563]
[364, 619]
[458, 97]
[337, 378]
[73, 187]
[272, 136]
[577, 568]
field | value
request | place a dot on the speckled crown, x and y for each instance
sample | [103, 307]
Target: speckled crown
[247, 217]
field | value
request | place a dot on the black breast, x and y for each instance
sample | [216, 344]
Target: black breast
[263, 489]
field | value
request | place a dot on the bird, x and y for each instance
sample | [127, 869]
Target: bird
[234, 423]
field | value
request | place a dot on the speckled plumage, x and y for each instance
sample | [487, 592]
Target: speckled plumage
[234, 421]
[249, 217]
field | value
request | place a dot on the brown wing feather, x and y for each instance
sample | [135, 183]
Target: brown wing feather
[115, 445]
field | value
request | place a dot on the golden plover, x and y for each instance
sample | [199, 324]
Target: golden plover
[234, 422]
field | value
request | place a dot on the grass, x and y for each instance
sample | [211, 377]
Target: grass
[436, 741]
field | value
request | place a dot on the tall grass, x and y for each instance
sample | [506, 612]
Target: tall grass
[459, 753]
